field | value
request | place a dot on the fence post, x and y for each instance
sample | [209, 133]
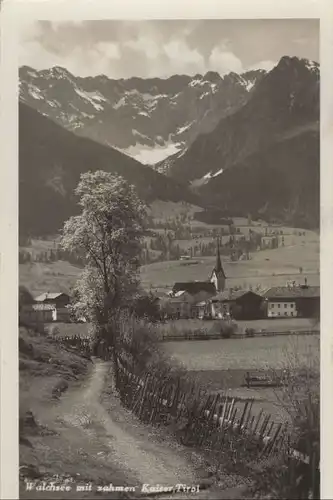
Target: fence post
[243, 415]
[144, 395]
[246, 423]
[257, 423]
[272, 444]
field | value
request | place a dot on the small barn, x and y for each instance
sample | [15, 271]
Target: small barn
[239, 304]
[59, 303]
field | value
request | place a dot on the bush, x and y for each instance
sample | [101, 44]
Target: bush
[53, 330]
[224, 328]
[250, 332]
[139, 342]
[147, 306]
[300, 397]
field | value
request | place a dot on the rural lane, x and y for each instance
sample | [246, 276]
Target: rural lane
[117, 437]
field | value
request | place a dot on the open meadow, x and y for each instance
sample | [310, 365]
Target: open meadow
[246, 354]
[221, 365]
[41, 277]
[266, 267]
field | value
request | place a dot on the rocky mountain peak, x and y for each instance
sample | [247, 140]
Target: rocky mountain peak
[149, 119]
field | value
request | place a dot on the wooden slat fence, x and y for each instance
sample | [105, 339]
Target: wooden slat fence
[212, 421]
[217, 423]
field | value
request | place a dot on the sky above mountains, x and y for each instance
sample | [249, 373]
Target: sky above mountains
[122, 49]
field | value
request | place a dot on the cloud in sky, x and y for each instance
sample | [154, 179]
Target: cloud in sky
[122, 49]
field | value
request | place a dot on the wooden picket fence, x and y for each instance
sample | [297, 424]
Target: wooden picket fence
[215, 422]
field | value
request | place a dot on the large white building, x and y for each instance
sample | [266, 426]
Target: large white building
[276, 309]
[292, 300]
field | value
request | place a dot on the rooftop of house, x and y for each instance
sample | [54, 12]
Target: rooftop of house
[49, 296]
[298, 291]
[227, 295]
[194, 287]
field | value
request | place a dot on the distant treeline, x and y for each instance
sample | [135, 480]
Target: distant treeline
[49, 256]
[213, 217]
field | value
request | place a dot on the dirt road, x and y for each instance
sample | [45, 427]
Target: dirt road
[110, 446]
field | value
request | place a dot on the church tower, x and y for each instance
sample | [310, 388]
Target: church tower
[218, 277]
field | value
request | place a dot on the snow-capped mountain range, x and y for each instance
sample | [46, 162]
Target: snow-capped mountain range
[148, 119]
[239, 144]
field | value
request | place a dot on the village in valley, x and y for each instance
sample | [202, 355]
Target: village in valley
[249, 304]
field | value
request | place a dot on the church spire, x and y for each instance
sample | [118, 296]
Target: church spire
[218, 266]
[218, 277]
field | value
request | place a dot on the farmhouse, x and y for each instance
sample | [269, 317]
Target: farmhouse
[185, 295]
[240, 304]
[293, 300]
[58, 299]
[58, 302]
[37, 313]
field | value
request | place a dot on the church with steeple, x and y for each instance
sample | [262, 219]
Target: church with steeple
[218, 276]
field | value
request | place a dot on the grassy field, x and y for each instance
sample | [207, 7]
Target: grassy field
[221, 365]
[267, 267]
[39, 277]
[252, 354]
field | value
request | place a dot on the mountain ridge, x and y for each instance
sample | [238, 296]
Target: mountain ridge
[286, 97]
[148, 119]
[51, 160]
[276, 118]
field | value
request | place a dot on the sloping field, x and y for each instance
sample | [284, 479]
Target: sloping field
[39, 277]
[267, 268]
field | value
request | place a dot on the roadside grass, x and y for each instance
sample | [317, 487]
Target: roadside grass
[46, 369]
[67, 329]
